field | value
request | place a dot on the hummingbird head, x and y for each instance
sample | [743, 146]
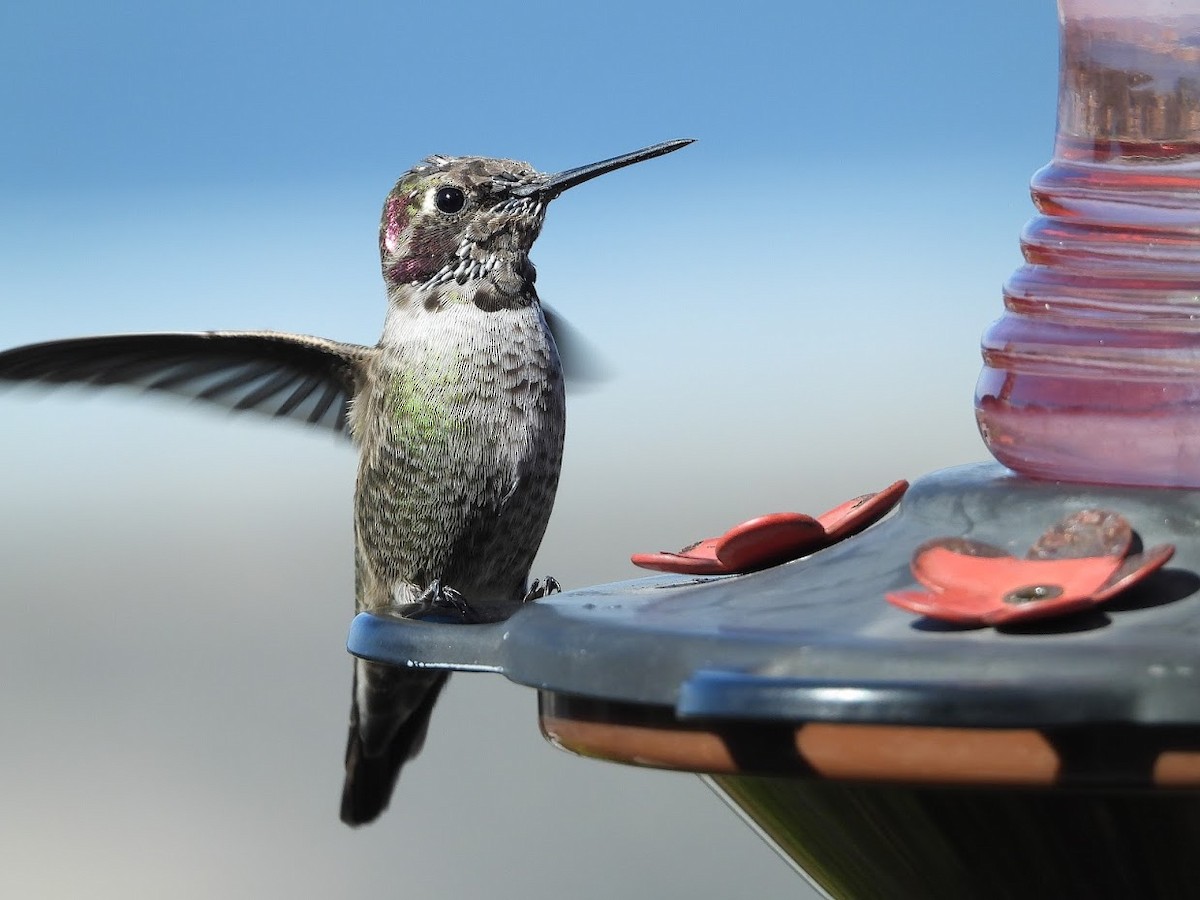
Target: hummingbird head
[463, 225]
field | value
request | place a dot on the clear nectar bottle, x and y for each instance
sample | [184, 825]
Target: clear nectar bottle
[1093, 371]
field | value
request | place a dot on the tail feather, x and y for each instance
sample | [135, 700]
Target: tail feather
[389, 718]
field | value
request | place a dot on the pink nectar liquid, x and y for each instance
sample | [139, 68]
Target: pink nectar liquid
[1093, 371]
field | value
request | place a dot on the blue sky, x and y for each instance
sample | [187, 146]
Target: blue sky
[205, 93]
[791, 310]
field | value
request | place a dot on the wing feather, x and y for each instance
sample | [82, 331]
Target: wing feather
[307, 379]
[582, 364]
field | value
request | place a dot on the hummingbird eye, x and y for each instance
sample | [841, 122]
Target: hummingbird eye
[450, 200]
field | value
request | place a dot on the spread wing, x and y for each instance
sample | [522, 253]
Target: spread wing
[303, 378]
[582, 365]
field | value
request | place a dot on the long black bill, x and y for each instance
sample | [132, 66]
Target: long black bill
[559, 182]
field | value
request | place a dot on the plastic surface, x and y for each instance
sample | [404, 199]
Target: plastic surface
[1080, 562]
[775, 538]
[815, 639]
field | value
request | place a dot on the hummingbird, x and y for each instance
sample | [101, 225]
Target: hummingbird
[458, 414]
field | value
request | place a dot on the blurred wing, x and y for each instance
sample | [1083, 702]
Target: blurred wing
[582, 365]
[303, 378]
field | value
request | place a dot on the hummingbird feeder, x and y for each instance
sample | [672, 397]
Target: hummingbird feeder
[993, 689]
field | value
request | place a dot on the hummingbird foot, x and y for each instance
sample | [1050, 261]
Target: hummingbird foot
[439, 601]
[540, 589]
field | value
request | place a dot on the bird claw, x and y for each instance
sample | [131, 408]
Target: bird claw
[436, 602]
[540, 589]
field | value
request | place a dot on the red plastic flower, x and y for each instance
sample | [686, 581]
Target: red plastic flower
[774, 539]
[1080, 562]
